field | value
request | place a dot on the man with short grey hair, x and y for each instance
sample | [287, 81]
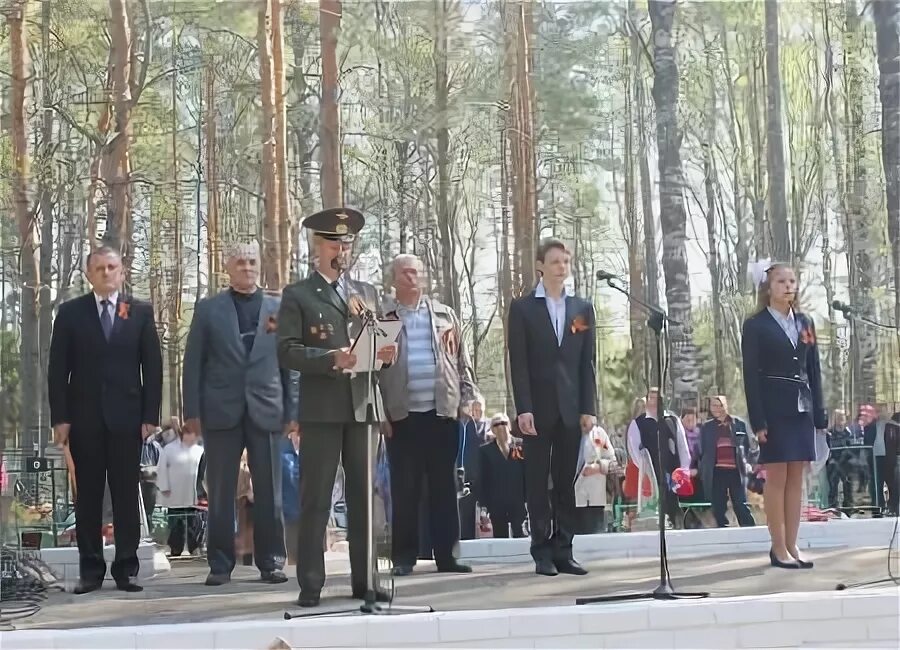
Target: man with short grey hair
[236, 393]
[423, 390]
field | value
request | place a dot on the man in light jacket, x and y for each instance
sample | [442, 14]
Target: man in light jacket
[422, 393]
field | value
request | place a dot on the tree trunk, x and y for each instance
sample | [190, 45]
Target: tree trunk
[633, 228]
[860, 245]
[29, 246]
[449, 288]
[520, 30]
[271, 253]
[213, 236]
[505, 253]
[685, 365]
[761, 235]
[47, 190]
[887, 39]
[778, 218]
[117, 166]
[281, 148]
[329, 115]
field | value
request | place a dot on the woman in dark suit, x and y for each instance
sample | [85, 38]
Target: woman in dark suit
[783, 385]
[503, 480]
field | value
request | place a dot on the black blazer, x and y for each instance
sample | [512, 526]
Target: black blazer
[94, 382]
[776, 374]
[503, 478]
[552, 381]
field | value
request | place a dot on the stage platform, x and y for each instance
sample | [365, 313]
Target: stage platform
[502, 604]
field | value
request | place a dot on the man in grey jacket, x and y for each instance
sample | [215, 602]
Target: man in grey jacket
[234, 390]
[422, 392]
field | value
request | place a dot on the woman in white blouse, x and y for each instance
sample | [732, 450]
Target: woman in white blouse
[596, 459]
[177, 481]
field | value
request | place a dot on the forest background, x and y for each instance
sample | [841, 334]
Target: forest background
[670, 143]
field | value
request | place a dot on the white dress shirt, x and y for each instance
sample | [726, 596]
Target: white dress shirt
[556, 307]
[111, 307]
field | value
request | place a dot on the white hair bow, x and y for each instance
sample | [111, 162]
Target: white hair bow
[757, 270]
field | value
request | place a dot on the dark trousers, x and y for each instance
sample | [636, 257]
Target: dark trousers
[886, 469]
[223, 449]
[148, 495]
[553, 453]
[102, 456]
[728, 481]
[837, 472]
[185, 524]
[423, 449]
[321, 447]
[504, 519]
[467, 514]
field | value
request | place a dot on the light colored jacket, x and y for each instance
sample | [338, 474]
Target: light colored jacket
[454, 380]
[596, 450]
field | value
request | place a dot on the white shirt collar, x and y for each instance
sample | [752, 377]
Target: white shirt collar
[541, 292]
[781, 317]
[340, 279]
[113, 298]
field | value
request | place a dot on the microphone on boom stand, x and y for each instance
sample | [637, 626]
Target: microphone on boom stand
[657, 320]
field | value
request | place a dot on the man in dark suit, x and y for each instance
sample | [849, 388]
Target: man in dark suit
[105, 386]
[552, 363]
[235, 391]
[319, 318]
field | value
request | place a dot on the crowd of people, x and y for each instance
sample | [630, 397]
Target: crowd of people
[276, 398]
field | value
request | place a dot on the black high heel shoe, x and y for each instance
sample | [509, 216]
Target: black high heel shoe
[779, 564]
[803, 564]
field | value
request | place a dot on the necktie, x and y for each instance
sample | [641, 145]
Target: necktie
[105, 319]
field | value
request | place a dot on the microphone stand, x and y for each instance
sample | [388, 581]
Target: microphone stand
[656, 320]
[370, 605]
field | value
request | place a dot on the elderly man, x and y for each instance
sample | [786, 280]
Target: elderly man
[235, 392]
[422, 393]
[320, 315]
[105, 389]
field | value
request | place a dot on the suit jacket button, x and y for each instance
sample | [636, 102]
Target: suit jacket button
[796, 359]
[796, 376]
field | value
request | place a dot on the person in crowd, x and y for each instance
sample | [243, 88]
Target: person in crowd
[644, 435]
[871, 425]
[423, 391]
[840, 460]
[783, 385]
[725, 459]
[319, 317]
[596, 461]
[150, 454]
[233, 390]
[105, 390]
[179, 466]
[503, 479]
[692, 433]
[472, 427]
[891, 468]
[552, 365]
[171, 432]
[290, 493]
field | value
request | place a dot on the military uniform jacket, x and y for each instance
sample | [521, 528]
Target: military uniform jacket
[313, 322]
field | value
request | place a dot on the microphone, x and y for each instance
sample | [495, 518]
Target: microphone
[603, 276]
[843, 307]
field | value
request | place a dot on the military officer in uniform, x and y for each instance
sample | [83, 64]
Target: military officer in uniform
[319, 318]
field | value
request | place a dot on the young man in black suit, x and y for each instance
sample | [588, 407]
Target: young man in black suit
[552, 354]
[105, 386]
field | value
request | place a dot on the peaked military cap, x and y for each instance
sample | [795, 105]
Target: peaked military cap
[336, 224]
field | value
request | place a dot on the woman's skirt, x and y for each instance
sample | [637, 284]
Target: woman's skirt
[789, 439]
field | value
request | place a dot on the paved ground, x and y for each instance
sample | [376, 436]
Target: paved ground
[181, 597]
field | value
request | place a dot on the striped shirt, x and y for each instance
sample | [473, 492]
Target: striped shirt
[420, 362]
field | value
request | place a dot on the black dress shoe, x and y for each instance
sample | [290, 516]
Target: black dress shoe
[571, 567]
[380, 596]
[803, 564]
[273, 577]
[453, 567]
[217, 579]
[545, 568]
[401, 570]
[87, 586]
[308, 600]
[129, 585]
